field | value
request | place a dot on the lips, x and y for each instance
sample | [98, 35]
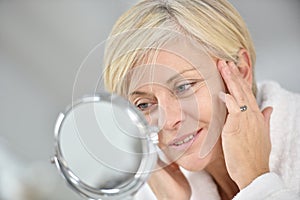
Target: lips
[185, 140]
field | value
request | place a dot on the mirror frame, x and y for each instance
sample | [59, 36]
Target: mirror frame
[148, 161]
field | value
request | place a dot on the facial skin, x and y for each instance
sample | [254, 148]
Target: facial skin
[191, 117]
[175, 95]
[184, 107]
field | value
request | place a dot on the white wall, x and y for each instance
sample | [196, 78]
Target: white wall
[275, 28]
[42, 45]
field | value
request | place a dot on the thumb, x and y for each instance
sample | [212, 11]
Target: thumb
[267, 114]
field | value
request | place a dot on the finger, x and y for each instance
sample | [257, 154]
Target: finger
[230, 103]
[246, 87]
[243, 94]
[233, 83]
[267, 115]
[232, 124]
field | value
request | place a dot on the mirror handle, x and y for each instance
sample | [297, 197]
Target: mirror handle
[153, 131]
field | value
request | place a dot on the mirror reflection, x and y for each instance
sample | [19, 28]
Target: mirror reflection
[103, 147]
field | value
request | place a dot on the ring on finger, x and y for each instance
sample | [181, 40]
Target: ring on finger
[243, 108]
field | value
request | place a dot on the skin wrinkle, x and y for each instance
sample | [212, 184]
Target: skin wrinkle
[228, 159]
[190, 73]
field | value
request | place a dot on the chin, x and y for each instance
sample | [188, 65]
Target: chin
[193, 162]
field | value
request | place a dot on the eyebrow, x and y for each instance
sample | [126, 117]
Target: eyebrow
[168, 81]
[138, 93]
[179, 74]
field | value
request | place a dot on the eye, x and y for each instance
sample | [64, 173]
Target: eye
[144, 106]
[184, 87]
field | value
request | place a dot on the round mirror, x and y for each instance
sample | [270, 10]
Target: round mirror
[104, 148]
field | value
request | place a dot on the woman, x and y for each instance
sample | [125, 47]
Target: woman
[189, 67]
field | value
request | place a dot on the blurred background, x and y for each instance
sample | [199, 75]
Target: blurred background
[43, 45]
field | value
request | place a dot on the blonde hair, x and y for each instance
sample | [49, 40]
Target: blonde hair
[215, 24]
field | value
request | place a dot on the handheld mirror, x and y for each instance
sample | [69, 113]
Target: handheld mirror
[104, 147]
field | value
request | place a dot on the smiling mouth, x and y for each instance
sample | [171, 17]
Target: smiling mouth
[185, 140]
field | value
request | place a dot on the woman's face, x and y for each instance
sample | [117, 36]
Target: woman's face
[174, 95]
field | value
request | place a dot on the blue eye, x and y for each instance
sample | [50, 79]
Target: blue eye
[144, 106]
[184, 87]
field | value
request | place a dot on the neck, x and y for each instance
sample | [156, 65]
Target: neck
[226, 186]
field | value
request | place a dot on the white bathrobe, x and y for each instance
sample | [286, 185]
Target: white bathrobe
[283, 182]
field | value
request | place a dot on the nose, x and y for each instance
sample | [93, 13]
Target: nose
[170, 113]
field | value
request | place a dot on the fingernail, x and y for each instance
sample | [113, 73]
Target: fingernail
[226, 69]
[220, 65]
[232, 65]
[271, 111]
[222, 96]
[223, 63]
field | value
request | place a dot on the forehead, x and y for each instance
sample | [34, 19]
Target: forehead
[159, 65]
[169, 60]
[180, 53]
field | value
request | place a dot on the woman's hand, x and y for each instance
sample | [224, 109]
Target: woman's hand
[245, 136]
[169, 183]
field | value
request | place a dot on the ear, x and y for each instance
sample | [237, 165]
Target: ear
[244, 65]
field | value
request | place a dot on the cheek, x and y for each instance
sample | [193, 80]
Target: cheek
[199, 105]
[149, 119]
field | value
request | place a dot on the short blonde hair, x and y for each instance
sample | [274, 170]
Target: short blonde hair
[215, 24]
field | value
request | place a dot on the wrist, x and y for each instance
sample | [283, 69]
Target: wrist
[249, 178]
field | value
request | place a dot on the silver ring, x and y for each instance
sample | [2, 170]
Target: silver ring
[243, 108]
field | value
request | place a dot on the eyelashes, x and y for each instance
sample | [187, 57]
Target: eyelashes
[184, 87]
[144, 106]
[181, 89]
[188, 87]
